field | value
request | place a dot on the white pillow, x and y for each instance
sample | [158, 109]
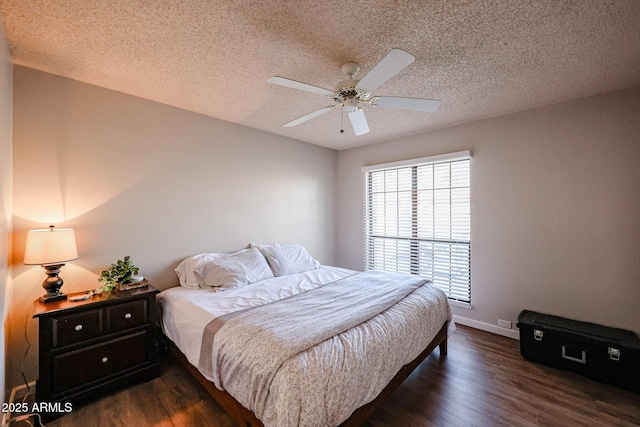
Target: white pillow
[187, 270]
[288, 259]
[260, 247]
[236, 269]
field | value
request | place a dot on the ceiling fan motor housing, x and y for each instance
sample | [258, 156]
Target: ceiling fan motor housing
[347, 89]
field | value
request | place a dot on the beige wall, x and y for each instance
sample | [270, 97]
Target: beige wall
[138, 178]
[6, 197]
[555, 209]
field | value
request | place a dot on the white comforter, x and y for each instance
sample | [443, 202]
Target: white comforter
[324, 384]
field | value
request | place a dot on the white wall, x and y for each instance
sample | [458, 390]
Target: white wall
[555, 209]
[6, 196]
[138, 178]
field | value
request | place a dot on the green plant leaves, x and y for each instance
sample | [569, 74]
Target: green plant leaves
[120, 272]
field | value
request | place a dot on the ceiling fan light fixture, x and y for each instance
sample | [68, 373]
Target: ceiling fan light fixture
[350, 104]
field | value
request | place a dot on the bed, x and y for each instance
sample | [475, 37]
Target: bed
[280, 340]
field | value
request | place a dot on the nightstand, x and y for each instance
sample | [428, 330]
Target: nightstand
[91, 346]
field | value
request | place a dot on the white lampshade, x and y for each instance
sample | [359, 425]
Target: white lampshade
[51, 246]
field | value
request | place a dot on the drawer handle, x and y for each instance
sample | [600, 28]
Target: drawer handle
[105, 359]
[127, 316]
[78, 328]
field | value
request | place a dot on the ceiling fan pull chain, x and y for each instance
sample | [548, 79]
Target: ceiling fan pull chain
[342, 118]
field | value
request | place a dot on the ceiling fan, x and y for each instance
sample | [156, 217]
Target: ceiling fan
[351, 94]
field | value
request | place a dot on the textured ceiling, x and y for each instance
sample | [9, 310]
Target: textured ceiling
[481, 58]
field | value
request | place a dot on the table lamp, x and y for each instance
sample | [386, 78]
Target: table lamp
[51, 248]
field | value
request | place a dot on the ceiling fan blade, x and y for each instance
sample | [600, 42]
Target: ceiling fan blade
[389, 66]
[359, 122]
[309, 116]
[299, 85]
[414, 104]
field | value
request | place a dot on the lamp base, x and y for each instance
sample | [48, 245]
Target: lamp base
[52, 284]
[52, 297]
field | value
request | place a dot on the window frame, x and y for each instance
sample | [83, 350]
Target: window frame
[414, 241]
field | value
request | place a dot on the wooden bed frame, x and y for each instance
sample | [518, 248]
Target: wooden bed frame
[244, 417]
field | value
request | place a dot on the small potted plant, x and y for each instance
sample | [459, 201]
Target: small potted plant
[118, 274]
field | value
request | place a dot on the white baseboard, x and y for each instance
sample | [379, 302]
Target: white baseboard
[488, 327]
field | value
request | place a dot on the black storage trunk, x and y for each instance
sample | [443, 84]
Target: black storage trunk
[603, 354]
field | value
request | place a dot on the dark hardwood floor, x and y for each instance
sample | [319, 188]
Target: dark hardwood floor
[482, 382]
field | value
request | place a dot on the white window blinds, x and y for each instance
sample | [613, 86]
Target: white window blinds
[417, 220]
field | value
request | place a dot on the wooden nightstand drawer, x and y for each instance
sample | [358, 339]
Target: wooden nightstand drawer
[78, 327]
[125, 316]
[80, 367]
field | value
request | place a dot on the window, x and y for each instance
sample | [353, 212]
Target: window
[417, 220]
